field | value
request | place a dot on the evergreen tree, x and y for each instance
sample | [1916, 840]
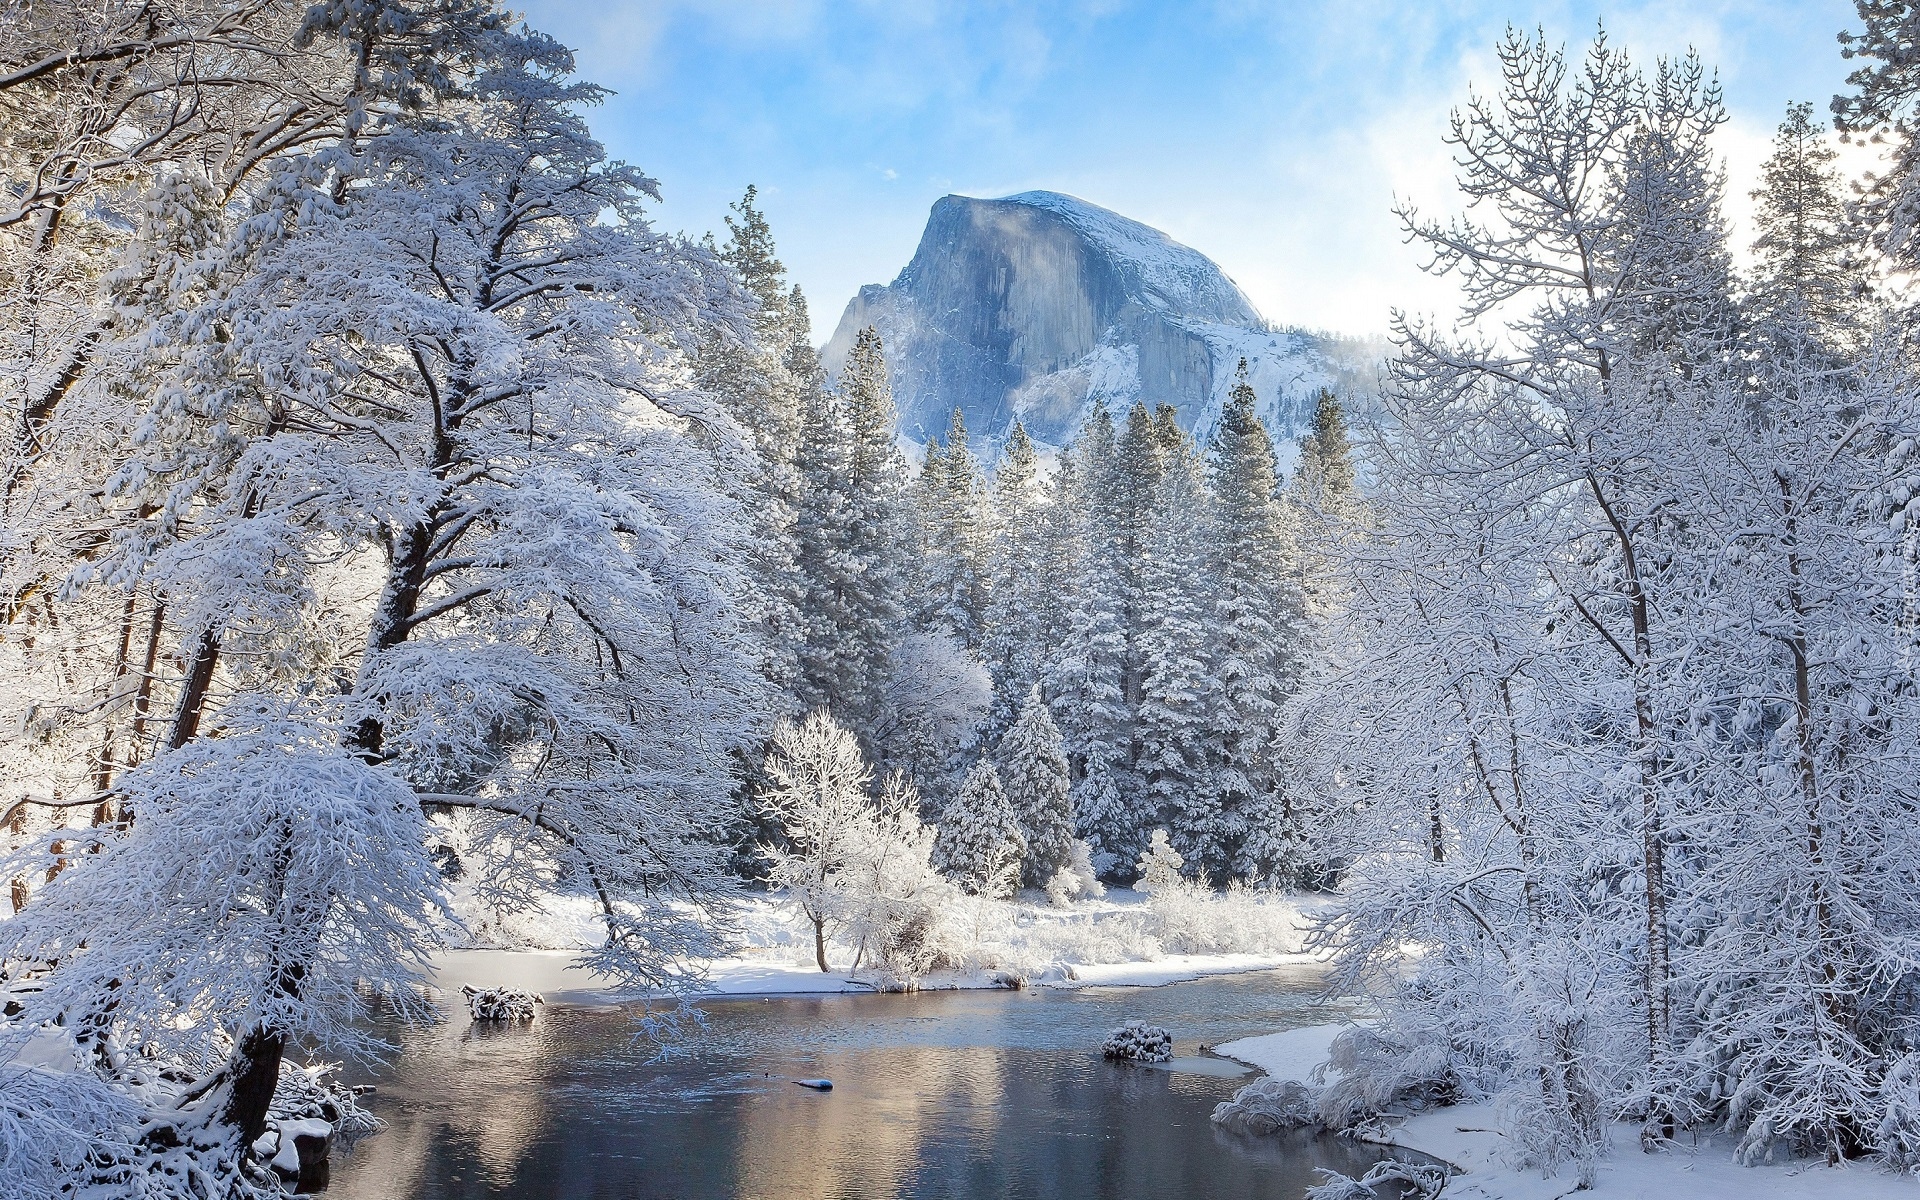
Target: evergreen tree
[1088, 675]
[1013, 636]
[1033, 767]
[929, 487]
[1159, 866]
[853, 557]
[1258, 623]
[1882, 109]
[1808, 270]
[766, 381]
[953, 584]
[1179, 692]
[1325, 476]
[979, 845]
[962, 548]
[829, 673]
[1322, 507]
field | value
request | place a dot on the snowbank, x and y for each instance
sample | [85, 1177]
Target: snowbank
[1289, 1054]
[1467, 1136]
[1463, 1135]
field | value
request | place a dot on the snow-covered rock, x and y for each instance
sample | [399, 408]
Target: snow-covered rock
[501, 1004]
[1042, 305]
[1137, 1041]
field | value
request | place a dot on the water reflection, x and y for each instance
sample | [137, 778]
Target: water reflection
[938, 1095]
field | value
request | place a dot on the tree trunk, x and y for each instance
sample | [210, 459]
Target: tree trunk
[193, 692]
[256, 1073]
[820, 943]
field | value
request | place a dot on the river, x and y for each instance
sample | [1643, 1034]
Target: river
[938, 1094]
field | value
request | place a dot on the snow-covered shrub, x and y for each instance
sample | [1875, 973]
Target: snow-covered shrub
[1899, 1131]
[1405, 1181]
[893, 903]
[1076, 879]
[1159, 865]
[501, 1004]
[1268, 1106]
[1369, 1073]
[1137, 1041]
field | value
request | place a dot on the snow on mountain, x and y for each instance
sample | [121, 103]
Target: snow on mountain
[1042, 306]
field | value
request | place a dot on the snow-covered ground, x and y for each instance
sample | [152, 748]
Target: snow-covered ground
[1122, 939]
[1467, 1136]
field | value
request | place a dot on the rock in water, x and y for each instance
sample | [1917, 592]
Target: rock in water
[1137, 1041]
[1042, 305]
[500, 1004]
[818, 1085]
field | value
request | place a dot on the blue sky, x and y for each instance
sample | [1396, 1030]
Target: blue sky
[1271, 136]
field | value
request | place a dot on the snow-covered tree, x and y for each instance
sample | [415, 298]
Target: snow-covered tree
[1013, 637]
[1325, 478]
[1882, 107]
[980, 845]
[1258, 626]
[852, 551]
[932, 706]
[1811, 271]
[854, 865]
[1087, 676]
[1615, 641]
[766, 382]
[818, 797]
[1179, 691]
[1033, 772]
[437, 523]
[952, 562]
[1159, 865]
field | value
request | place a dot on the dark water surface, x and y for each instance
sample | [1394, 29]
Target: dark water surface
[940, 1094]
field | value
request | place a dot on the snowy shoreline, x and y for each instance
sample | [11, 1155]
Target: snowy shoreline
[1122, 939]
[1466, 1136]
[552, 974]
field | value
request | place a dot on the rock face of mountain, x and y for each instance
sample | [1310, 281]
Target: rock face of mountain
[1042, 306]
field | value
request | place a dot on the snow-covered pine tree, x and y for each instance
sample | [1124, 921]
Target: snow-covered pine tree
[1882, 108]
[1811, 273]
[766, 382]
[854, 553]
[1013, 636]
[1179, 692]
[875, 497]
[1087, 675]
[1259, 631]
[954, 559]
[1160, 864]
[920, 526]
[825, 560]
[1033, 771]
[1325, 477]
[979, 845]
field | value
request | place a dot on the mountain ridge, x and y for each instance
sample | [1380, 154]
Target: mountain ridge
[1042, 306]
